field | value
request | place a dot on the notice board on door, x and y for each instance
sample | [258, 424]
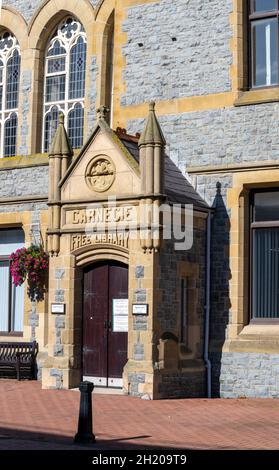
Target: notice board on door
[120, 313]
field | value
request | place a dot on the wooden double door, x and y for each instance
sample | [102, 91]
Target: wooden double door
[105, 323]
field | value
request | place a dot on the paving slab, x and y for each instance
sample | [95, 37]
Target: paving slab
[36, 419]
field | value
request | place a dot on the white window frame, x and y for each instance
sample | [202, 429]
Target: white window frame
[5, 250]
[64, 106]
[5, 114]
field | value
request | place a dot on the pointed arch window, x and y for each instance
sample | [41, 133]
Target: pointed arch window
[9, 91]
[65, 65]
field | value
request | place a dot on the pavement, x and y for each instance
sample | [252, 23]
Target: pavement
[36, 419]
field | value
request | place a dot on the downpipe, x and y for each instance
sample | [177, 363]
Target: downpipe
[207, 306]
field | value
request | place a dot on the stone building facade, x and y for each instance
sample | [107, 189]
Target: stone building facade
[220, 127]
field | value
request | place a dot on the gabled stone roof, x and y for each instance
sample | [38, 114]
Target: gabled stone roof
[177, 187]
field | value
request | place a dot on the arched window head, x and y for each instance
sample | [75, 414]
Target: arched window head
[9, 90]
[65, 64]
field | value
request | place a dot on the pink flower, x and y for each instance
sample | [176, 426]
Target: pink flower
[29, 264]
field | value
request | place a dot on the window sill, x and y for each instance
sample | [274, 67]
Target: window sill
[259, 329]
[264, 95]
[4, 336]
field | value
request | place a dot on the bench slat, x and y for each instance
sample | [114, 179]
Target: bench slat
[18, 357]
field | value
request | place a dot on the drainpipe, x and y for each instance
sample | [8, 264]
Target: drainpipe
[207, 306]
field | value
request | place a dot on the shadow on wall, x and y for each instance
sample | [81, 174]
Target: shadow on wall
[220, 277]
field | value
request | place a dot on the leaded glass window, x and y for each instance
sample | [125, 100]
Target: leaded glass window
[65, 66]
[9, 91]
[51, 123]
[10, 135]
[75, 125]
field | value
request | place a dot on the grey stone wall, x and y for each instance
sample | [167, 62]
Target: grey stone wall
[58, 374]
[249, 375]
[58, 348]
[221, 136]
[208, 138]
[169, 383]
[26, 89]
[176, 383]
[28, 181]
[176, 49]
[225, 136]
[211, 186]
[28, 7]
[214, 189]
[33, 319]
[220, 272]
[25, 207]
[220, 275]
[134, 380]
[216, 137]
[25, 7]
[92, 95]
[169, 283]
[183, 385]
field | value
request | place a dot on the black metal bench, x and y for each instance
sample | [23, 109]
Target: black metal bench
[18, 360]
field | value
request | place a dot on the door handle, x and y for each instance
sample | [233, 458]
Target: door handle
[107, 325]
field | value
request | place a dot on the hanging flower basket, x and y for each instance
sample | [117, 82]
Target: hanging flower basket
[30, 264]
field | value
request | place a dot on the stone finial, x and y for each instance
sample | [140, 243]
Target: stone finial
[61, 144]
[61, 118]
[152, 133]
[152, 105]
[102, 112]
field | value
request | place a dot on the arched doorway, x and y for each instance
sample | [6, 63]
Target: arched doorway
[105, 323]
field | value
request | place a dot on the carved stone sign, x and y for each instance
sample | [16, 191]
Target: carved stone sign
[119, 239]
[100, 173]
[100, 215]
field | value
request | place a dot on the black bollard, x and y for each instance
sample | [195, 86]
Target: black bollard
[85, 434]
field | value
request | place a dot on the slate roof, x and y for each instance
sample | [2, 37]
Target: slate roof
[177, 187]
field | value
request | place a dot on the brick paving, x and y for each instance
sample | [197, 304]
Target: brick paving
[32, 418]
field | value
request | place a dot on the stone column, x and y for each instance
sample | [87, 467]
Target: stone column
[152, 166]
[139, 370]
[60, 156]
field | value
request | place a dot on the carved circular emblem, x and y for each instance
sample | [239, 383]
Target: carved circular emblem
[100, 173]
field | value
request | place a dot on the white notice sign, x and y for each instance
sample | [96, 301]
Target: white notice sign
[140, 309]
[58, 308]
[120, 315]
